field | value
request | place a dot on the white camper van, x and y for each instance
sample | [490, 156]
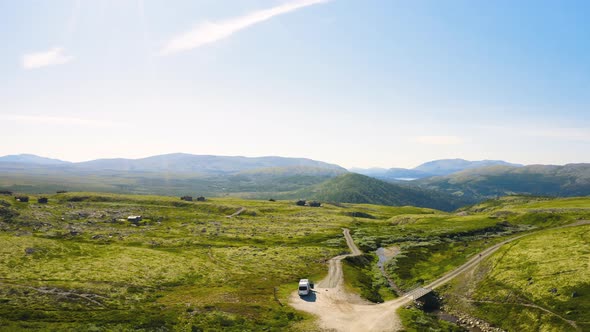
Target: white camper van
[304, 287]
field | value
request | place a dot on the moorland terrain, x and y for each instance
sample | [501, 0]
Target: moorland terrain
[443, 184]
[77, 263]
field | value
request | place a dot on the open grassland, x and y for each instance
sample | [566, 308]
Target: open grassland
[538, 283]
[76, 263]
[432, 243]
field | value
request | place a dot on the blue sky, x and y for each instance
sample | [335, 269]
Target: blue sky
[354, 82]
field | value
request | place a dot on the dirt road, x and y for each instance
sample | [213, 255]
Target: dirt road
[342, 311]
[339, 310]
[237, 213]
[335, 264]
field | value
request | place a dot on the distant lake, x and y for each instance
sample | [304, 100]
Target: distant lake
[405, 179]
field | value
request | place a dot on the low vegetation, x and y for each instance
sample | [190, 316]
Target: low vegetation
[537, 283]
[76, 263]
[433, 243]
[488, 182]
[416, 320]
[362, 275]
[356, 188]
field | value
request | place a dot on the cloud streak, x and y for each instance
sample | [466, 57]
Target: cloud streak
[54, 56]
[209, 32]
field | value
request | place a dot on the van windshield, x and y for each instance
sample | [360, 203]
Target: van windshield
[302, 287]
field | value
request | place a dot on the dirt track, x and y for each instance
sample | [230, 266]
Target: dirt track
[342, 311]
[237, 213]
[339, 310]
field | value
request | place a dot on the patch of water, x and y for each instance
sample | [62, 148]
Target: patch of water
[382, 257]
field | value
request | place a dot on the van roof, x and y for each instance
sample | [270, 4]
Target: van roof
[303, 281]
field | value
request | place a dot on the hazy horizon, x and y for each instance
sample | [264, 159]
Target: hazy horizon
[354, 83]
[303, 157]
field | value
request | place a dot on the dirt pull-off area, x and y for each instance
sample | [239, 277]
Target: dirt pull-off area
[339, 310]
[342, 311]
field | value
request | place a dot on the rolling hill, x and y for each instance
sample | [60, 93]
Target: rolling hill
[172, 174]
[488, 182]
[357, 188]
[173, 163]
[31, 159]
[429, 169]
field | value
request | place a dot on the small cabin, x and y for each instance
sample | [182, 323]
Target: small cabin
[134, 218]
[23, 199]
[42, 200]
[200, 199]
[187, 198]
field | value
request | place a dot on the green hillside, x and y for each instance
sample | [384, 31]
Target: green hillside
[488, 182]
[248, 183]
[539, 283]
[76, 263]
[356, 188]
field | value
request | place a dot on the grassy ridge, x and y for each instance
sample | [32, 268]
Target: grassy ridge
[540, 282]
[494, 181]
[433, 243]
[356, 188]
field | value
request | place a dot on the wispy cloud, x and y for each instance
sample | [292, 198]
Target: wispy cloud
[54, 56]
[59, 120]
[209, 32]
[439, 140]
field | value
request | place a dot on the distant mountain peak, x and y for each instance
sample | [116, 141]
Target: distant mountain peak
[26, 158]
[449, 166]
[429, 169]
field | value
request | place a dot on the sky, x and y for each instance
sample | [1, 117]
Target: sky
[359, 83]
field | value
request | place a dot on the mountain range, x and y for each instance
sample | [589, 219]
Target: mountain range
[429, 169]
[489, 182]
[443, 184]
[177, 163]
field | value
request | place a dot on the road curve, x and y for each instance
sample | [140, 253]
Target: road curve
[339, 310]
[334, 276]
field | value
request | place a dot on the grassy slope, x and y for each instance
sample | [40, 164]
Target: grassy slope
[478, 184]
[356, 188]
[433, 243]
[188, 266]
[259, 183]
[513, 288]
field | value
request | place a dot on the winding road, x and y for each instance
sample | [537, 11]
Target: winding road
[339, 310]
